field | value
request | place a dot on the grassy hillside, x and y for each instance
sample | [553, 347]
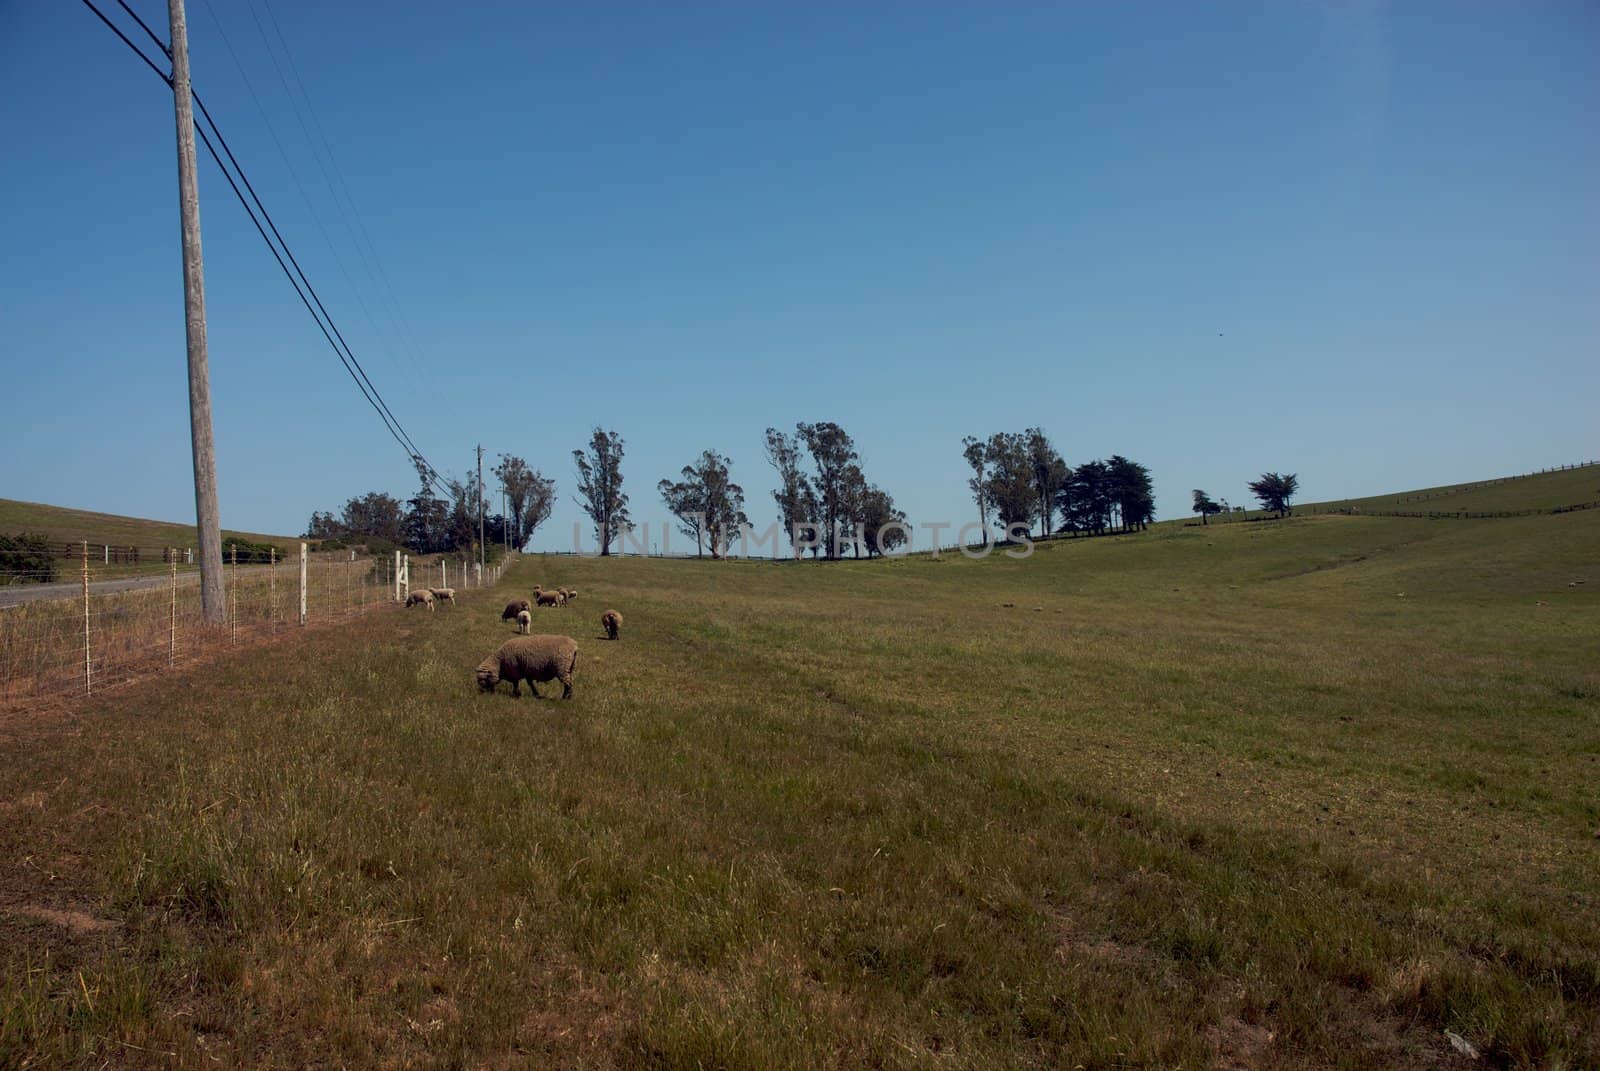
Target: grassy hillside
[1545, 490]
[1295, 795]
[71, 525]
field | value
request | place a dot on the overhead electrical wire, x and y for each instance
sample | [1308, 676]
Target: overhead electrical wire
[294, 175]
[394, 310]
[330, 330]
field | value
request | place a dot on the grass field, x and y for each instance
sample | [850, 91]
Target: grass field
[1297, 794]
[1543, 490]
[74, 525]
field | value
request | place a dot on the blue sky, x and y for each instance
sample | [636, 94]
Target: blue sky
[1355, 241]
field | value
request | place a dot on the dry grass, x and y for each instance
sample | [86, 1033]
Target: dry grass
[72, 525]
[1214, 804]
[1543, 490]
[135, 634]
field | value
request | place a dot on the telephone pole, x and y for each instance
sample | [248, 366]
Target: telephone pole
[480, 509]
[212, 602]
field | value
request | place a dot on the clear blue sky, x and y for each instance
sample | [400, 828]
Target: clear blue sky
[1355, 241]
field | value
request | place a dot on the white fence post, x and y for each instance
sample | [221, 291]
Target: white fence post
[302, 583]
[397, 576]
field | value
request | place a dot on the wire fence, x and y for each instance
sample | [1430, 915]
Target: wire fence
[1462, 514]
[1445, 492]
[113, 631]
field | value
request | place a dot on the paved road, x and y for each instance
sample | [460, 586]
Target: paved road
[17, 594]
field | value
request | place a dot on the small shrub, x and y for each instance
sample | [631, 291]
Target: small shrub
[252, 552]
[25, 559]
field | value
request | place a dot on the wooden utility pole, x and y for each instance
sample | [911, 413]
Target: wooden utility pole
[213, 604]
[480, 513]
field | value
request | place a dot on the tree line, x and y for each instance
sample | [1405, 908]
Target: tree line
[1019, 480]
[431, 522]
[826, 505]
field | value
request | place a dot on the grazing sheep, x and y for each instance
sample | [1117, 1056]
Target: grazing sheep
[547, 598]
[420, 598]
[611, 621]
[524, 622]
[513, 608]
[571, 593]
[531, 659]
[444, 595]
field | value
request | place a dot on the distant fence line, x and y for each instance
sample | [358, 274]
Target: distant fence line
[123, 560]
[116, 554]
[1461, 515]
[1241, 514]
[115, 631]
[1465, 487]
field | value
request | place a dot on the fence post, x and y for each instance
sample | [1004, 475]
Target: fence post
[272, 588]
[233, 594]
[397, 576]
[302, 583]
[172, 619]
[88, 671]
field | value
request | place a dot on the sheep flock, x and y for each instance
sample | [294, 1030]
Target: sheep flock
[527, 657]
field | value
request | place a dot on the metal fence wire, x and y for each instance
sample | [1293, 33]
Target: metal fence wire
[117, 629]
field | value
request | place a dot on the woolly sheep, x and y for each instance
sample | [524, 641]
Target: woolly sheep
[513, 608]
[420, 598]
[531, 659]
[444, 595]
[611, 621]
[570, 593]
[524, 622]
[547, 598]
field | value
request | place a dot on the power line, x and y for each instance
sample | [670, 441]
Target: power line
[326, 180]
[395, 310]
[346, 356]
[283, 154]
[374, 398]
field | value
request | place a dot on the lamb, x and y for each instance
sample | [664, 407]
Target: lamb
[611, 621]
[444, 595]
[524, 622]
[531, 659]
[420, 598]
[513, 608]
[546, 598]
